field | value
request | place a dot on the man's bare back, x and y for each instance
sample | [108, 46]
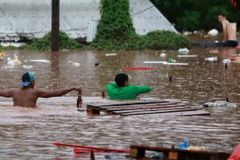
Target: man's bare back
[27, 95]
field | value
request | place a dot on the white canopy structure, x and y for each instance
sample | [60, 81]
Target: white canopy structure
[78, 18]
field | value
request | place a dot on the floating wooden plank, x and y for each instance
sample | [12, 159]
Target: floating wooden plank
[138, 152]
[121, 103]
[141, 105]
[176, 113]
[141, 108]
[152, 110]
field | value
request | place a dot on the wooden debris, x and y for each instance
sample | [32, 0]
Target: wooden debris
[138, 152]
[163, 107]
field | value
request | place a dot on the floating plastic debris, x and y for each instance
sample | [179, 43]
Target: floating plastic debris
[75, 64]
[219, 104]
[227, 61]
[27, 67]
[183, 50]
[138, 68]
[171, 61]
[186, 56]
[10, 63]
[184, 145]
[12, 44]
[175, 64]
[16, 60]
[213, 32]
[111, 54]
[154, 62]
[163, 55]
[39, 60]
[211, 59]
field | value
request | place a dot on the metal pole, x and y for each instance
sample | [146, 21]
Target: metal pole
[55, 25]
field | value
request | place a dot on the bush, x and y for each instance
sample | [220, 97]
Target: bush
[115, 31]
[116, 22]
[153, 40]
[45, 43]
[165, 40]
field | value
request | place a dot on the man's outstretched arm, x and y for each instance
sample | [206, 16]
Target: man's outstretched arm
[57, 93]
[6, 94]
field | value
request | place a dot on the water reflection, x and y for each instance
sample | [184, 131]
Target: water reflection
[28, 133]
[55, 69]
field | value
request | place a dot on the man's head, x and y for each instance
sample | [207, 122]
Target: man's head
[28, 80]
[121, 79]
[221, 18]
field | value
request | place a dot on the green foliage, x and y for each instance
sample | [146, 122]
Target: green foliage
[153, 40]
[116, 22]
[193, 15]
[115, 31]
[45, 43]
[165, 40]
[190, 20]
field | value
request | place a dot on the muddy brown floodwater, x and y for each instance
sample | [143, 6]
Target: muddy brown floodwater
[28, 133]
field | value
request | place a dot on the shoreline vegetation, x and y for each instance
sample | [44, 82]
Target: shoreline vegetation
[114, 32]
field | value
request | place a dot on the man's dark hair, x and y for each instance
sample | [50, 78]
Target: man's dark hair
[120, 79]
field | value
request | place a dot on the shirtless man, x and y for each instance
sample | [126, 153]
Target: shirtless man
[27, 95]
[230, 38]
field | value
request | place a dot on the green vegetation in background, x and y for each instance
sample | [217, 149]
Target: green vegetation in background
[116, 22]
[45, 43]
[192, 15]
[115, 31]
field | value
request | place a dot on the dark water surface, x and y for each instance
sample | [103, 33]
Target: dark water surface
[28, 133]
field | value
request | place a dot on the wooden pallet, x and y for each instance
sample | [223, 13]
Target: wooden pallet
[138, 152]
[163, 107]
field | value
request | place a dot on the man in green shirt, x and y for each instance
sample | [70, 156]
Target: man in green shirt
[121, 90]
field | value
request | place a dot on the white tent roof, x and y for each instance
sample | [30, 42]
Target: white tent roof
[33, 18]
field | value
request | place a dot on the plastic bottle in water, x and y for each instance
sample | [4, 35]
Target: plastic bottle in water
[211, 59]
[79, 100]
[183, 50]
[184, 144]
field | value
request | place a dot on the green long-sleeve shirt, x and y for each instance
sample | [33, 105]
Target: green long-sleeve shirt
[126, 92]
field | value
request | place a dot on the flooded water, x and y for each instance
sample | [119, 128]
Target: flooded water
[28, 133]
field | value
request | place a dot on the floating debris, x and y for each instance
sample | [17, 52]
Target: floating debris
[163, 55]
[213, 32]
[183, 50]
[2, 55]
[176, 64]
[27, 67]
[16, 61]
[40, 60]
[227, 61]
[154, 62]
[75, 64]
[10, 63]
[171, 61]
[138, 68]
[111, 54]
[219, 104]
[186, 56]
[211, 59]
[12, 44]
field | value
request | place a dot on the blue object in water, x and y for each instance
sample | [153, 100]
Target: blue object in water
[184, 144]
